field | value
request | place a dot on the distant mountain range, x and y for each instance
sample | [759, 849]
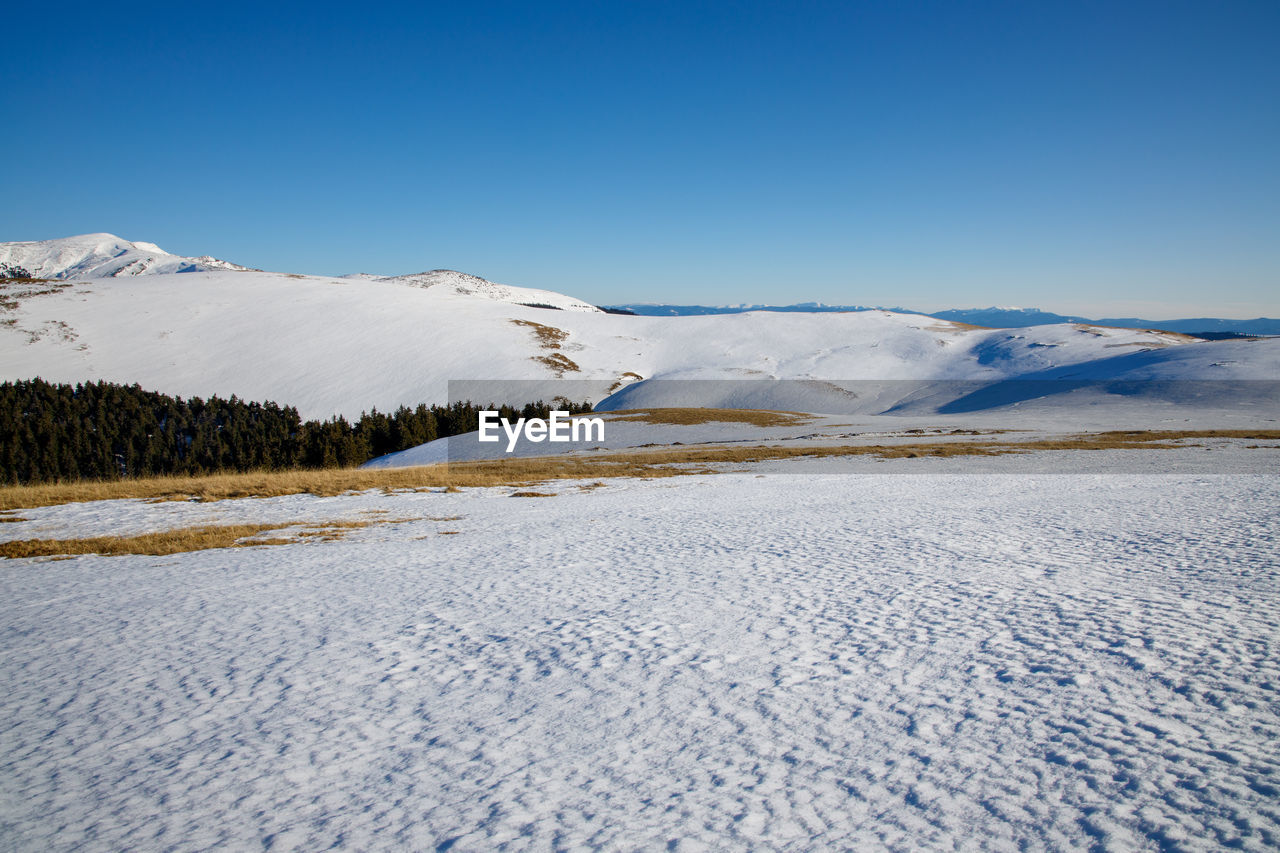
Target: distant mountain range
[1015, 318]
[645, 309]
[995, 318]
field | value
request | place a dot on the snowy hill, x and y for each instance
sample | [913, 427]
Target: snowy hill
[345, 345]
[462, 284]
[101, 256]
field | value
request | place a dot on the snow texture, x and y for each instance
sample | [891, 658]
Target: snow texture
[736, 662]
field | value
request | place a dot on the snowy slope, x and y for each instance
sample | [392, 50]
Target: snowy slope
[345, 345]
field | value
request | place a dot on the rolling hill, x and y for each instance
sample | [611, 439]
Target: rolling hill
[130, 312]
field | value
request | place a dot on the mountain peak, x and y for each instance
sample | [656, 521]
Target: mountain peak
[101, 255]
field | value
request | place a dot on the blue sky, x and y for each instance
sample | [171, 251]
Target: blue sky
[1099, 158]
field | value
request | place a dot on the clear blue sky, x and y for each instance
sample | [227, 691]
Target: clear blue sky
[1099, 158]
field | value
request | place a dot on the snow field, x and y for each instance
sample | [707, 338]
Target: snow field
[724, 662]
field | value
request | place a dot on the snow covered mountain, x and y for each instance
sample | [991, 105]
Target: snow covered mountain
[345, 345]
[101, 256]
[108, 256]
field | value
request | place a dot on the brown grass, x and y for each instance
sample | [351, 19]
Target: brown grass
[533, 494]
[156, 544]
[549, 336]
[621, 380]
[184, 539]
[667, 462]
[14, 290]
[1140, 435]
[755, 417]
[558, 362]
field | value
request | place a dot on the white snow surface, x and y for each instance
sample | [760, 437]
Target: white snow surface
[728, 662]
[346, 345]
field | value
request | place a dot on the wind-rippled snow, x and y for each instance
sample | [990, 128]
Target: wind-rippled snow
[726, 662]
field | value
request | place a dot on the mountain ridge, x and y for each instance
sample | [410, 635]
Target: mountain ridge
[102, 255]
[332, 345]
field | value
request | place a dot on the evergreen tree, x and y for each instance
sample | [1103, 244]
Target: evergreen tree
[100, 430]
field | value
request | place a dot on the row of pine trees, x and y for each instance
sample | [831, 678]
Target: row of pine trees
[101, 430]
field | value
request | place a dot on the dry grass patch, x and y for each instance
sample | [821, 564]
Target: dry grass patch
[11, 518]
[156, 544]
[1130, 436]
[533, 494]
[664, 462]
[558, 362]
[184, 539]
[755, 417]
[264, 484]
[549, 336]
[325, 483]
[622, 380]
[14, 290]
[331, 531]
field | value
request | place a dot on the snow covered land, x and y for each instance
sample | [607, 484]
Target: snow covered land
[1041, 650]
[731, 661]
